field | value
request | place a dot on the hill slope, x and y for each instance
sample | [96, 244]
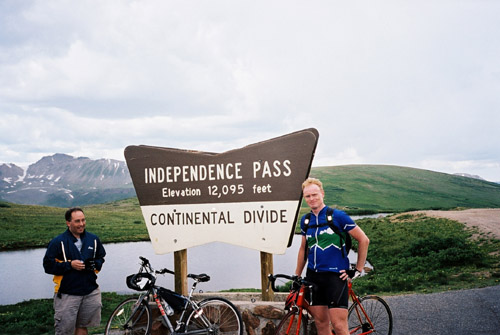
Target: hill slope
[385, 188]
[28, 226]
[356, 188]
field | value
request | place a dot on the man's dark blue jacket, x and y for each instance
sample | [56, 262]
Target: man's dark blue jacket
[61, 251]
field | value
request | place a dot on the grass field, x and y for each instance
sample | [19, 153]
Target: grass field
[358, 189]
[410, 253]
[24, 226]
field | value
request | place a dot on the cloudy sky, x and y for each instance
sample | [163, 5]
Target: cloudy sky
[410, 83]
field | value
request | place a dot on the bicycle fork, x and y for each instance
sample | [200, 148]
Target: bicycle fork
[365, 322]
[134, 317]
[299, 322]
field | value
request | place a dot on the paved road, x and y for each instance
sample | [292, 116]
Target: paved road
[463, 312]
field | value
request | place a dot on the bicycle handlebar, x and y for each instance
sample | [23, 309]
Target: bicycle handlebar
[163, 271]
[297, 280]
[146, 264]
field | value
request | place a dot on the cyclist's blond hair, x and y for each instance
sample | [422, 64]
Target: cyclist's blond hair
[312, 181]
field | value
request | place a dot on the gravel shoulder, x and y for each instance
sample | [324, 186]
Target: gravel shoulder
[486, 219]
[475, 311]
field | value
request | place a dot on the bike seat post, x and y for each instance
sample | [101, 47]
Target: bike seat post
[193, 287]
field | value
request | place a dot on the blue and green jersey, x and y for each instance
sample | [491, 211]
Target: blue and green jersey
[325, 253]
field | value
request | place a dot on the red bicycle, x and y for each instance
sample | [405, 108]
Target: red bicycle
[368, 314]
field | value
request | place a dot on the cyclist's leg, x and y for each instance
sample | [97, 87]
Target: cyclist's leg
[331, 293]
[81, 331]
[338, 316]
[321, 319]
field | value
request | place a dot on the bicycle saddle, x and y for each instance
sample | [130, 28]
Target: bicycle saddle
[203, 277]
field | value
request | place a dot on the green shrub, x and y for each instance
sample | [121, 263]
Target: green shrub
[421, 254]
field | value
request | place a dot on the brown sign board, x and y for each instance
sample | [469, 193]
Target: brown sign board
[248, 197]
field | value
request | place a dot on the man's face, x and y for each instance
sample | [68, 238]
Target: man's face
[314, 196]
[77, 224]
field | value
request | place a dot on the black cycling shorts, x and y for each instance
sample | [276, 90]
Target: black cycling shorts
[330, 290]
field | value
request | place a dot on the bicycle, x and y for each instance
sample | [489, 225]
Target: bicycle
[366, 315]
[211, 316]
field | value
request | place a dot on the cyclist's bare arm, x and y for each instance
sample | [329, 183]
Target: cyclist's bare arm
[301, 261]
[363, 243]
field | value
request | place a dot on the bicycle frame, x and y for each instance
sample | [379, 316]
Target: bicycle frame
[153, 292]
[179, 329]
[367, 327]
[209, 316]
[180, 322]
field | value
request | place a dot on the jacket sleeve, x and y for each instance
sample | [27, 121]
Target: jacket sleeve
[53, 261]
[99, 255]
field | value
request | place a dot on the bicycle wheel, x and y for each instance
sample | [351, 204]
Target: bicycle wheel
[378, 317]
[216, 315]
[289, 324]
[130, 318]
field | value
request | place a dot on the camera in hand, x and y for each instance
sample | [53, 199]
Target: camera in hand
[90, 264]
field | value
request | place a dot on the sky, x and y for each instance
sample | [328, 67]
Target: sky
[407, 83]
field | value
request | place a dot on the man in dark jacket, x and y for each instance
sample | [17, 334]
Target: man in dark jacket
[74, 258]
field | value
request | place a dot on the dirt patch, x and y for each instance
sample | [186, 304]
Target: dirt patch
[485, 219]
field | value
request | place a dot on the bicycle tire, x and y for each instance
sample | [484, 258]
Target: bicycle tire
[288, 325]
[378, 312]
[216, 314]
[126, 312]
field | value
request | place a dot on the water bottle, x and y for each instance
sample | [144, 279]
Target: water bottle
[168, 309]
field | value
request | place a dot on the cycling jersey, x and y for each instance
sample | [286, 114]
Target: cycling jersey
[325, 253]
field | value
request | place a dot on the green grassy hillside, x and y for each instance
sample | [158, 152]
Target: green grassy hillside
[25, 226]
[356, 188]
[383, 188]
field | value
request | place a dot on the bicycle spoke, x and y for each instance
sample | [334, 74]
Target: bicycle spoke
[216, 315]
[128, 318]
[376, 318]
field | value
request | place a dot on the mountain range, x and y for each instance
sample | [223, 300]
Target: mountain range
[62, 180]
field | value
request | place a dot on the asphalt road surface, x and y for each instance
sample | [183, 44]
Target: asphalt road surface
[474, 311]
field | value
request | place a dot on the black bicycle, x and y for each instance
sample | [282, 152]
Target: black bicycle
[212, 316]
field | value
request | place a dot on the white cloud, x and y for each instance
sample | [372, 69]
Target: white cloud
[486, 169]
[345, 157]
[396, 82]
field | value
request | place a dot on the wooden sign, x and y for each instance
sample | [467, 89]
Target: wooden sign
[248, 197]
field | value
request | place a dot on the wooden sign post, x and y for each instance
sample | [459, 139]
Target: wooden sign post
[266, 267]
[180, 269]
[248, 197]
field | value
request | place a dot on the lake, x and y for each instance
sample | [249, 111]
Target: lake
[23, 276]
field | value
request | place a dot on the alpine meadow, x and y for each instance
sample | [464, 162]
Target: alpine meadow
[357, 189]
[409, 252]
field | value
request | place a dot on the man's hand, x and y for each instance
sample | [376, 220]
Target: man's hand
[349, 274]
[78, 265]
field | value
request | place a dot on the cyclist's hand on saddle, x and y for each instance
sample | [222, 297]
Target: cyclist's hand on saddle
[350, 274]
